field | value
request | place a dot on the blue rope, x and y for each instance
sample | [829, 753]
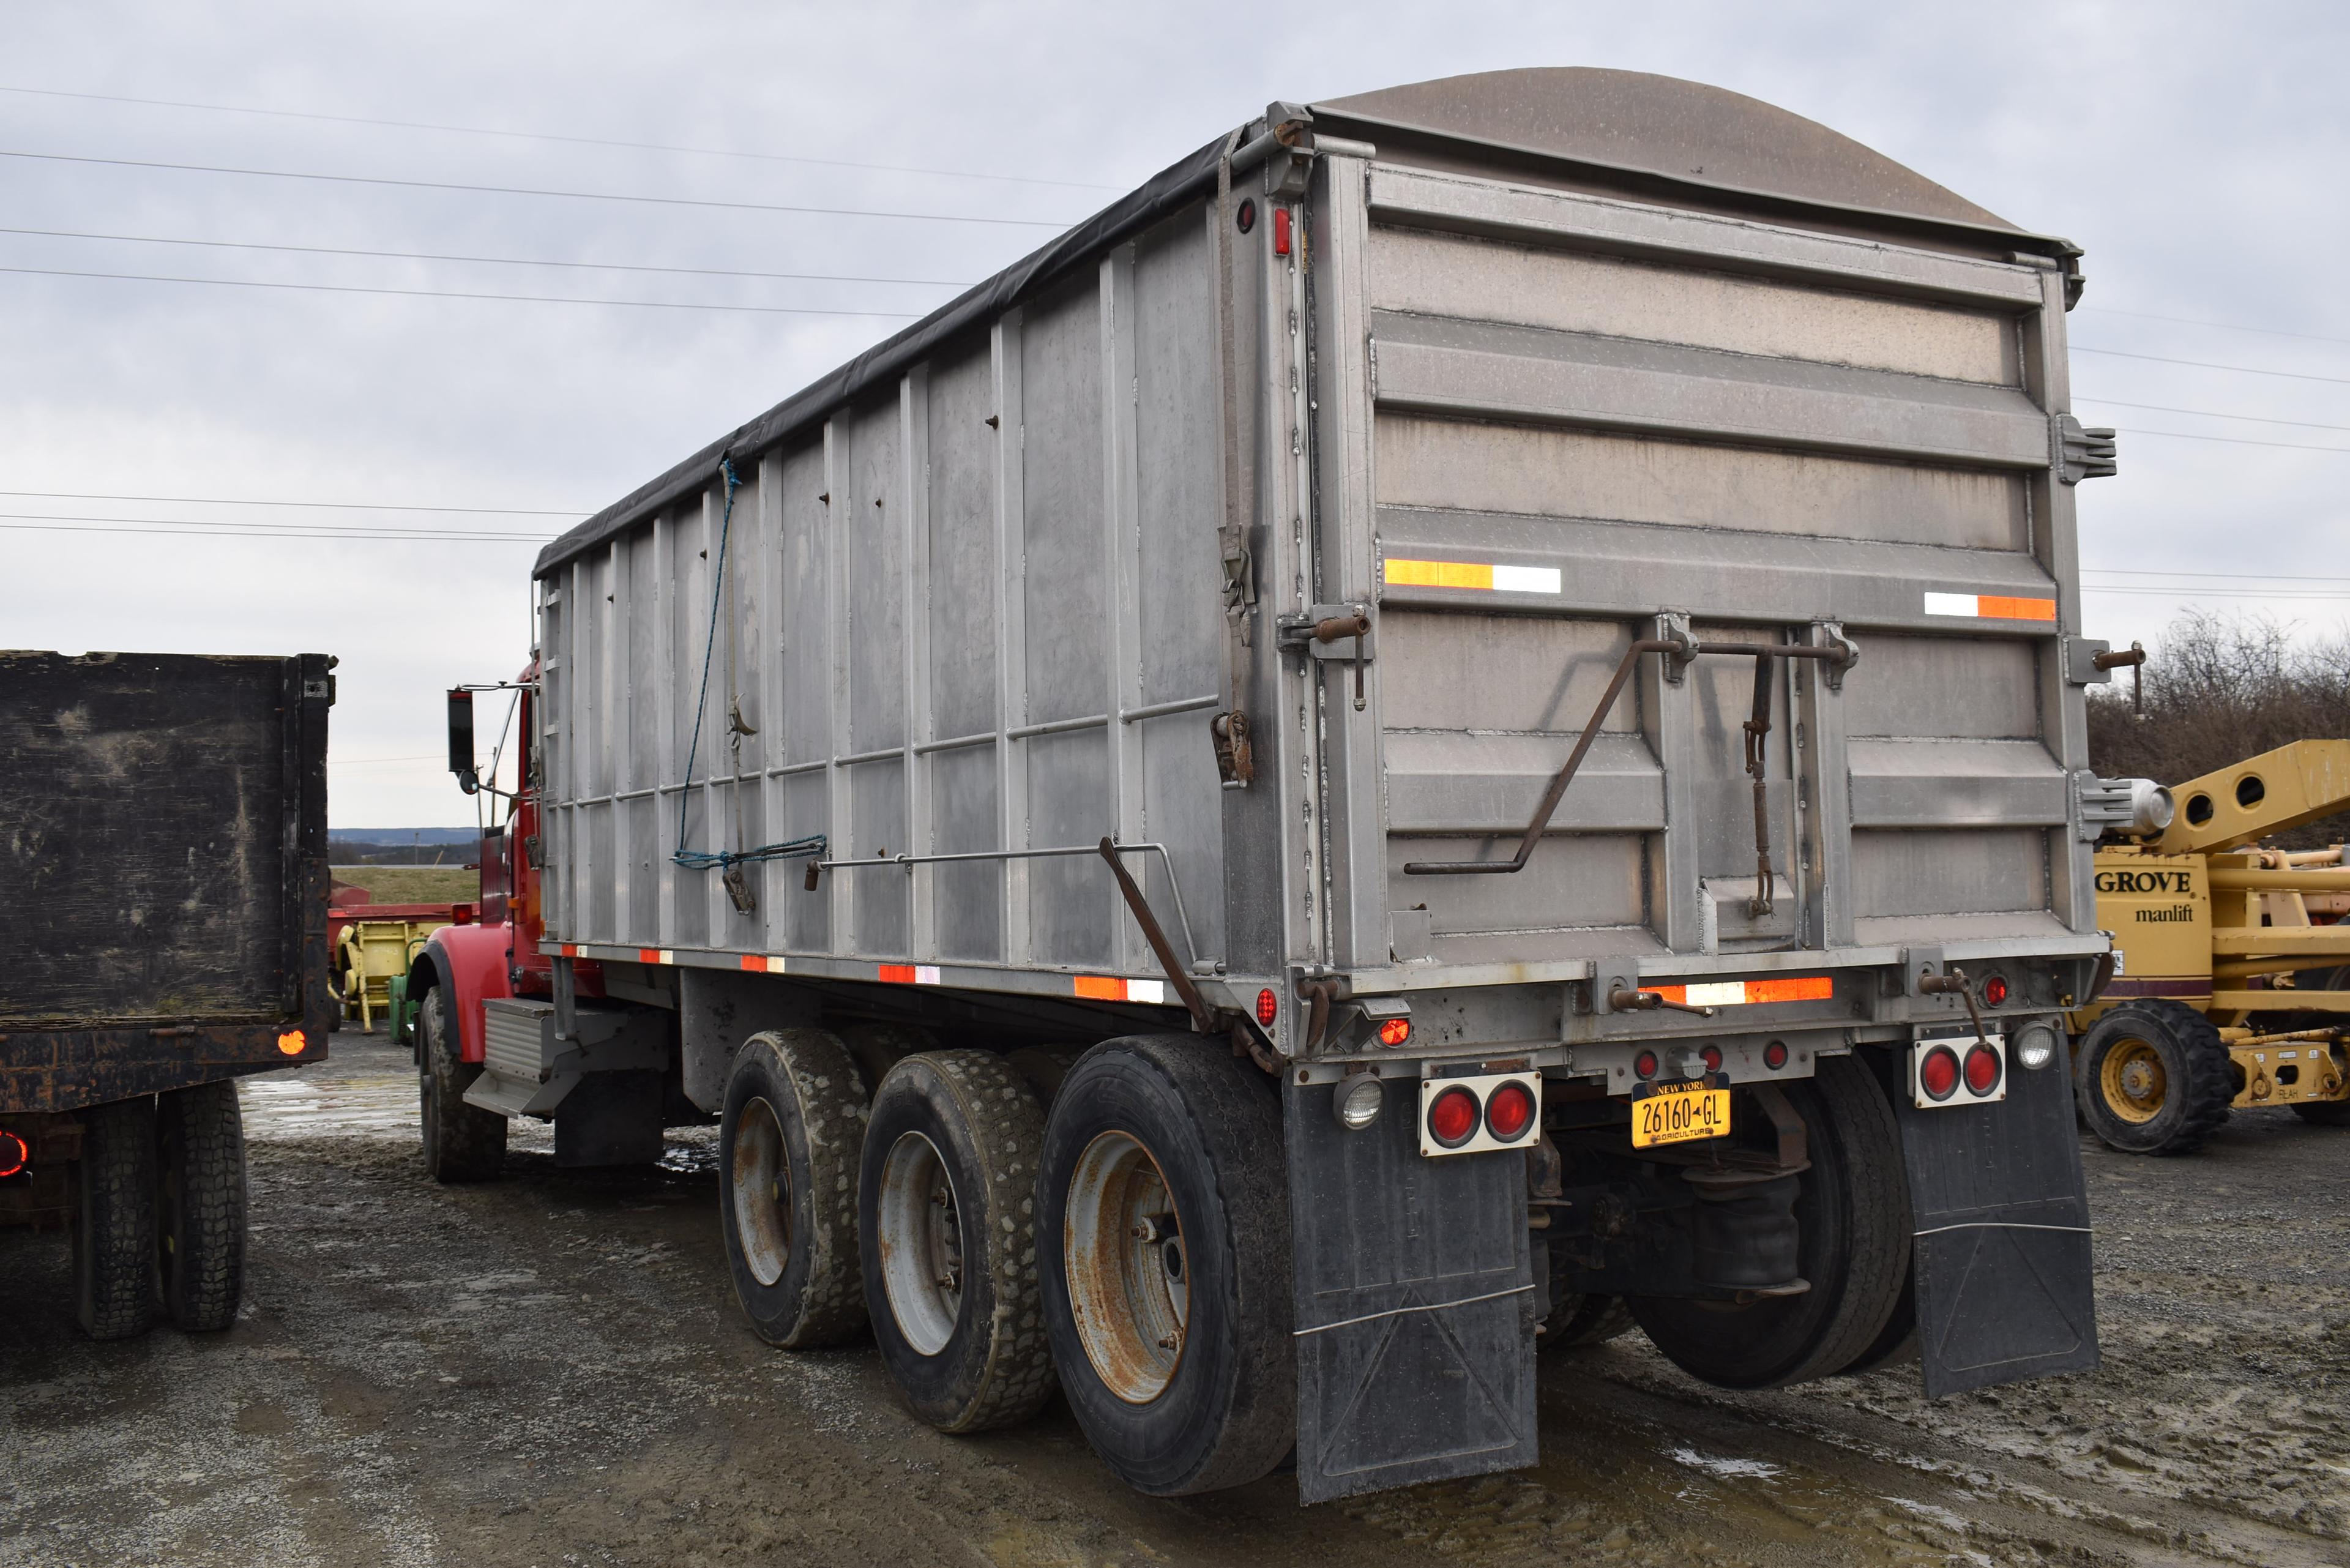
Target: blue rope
[703, 859]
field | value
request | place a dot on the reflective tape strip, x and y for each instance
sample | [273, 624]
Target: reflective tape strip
[1990, 607]
[1484, 575]
[761, 964]
[1105, 988]
[656, 955]
[908, 973]
[1742, 992]
[571, 949]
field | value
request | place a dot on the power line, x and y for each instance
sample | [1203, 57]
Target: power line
[549, 136]
[487, 261]
[2233, 440]
[455, 293]
[333, 505]
[2205, 413]
[2204, 365]
[530, 190]
[2223, 326]
[167, 527]
[361, 530]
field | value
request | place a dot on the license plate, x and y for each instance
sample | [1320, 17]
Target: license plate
[1678, 1112]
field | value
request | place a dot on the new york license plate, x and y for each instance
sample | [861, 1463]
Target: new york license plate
[1678, 1112]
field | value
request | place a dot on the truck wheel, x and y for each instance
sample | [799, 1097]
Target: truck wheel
[2153, 1078]
[462, 1142]
[946, 1227]
[1852, 1216]
[1578, 1320]
[200, 1205]
[1163, 1233]
[114, 1220]
[788, 1141]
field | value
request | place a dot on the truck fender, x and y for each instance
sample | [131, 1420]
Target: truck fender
[471, 961]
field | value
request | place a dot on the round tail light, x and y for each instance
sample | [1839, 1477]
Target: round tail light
[1358, 1102]
[1938, 1074]
[1774, 1054]
[1712, 1055]
[1995, 991]
[1510, 1112]
[1645, 1063]
[1983, 1070]
[1268, 1007]
[13, 1153]
[1395, 1031]
[1452, 1118]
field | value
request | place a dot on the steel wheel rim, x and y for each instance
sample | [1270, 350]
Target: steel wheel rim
[2135, 1082]
[1129, 1281]
[760, 1177]
[920, 1230]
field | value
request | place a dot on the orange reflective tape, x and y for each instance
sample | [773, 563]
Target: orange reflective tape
[754, 962]
[649, 955]
[1999, 607]
[897, 973]
[1438, 574]
[1099, 988]
[1803, 987]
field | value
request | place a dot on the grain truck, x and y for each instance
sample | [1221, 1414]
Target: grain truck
[163, 908]
[1456, 724]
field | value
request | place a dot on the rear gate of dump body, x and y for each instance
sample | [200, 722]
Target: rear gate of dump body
[1557, 425]
[1571, 422]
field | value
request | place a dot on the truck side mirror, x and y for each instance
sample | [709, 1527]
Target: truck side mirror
[461, 741]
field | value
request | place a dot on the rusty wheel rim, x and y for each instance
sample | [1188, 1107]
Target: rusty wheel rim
[1129, 1281]
[2133, 1079]
[761, 1183]
[918, 1227]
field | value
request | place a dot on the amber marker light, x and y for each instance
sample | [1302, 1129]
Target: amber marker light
[1395, 1031]
[293, 1043]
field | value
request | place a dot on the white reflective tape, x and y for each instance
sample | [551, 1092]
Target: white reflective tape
[1526, 579]
[1953, 604]
[1154, 991]
[1719, 993]
[926, 974]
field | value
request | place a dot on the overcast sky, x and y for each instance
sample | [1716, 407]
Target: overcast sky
[2198, 153]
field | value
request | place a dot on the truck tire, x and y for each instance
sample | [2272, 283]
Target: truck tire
[947, 1232]
[114, 1220]
[2153, 1077]
[788, 1142]
[1576, 1321]
[200, 1205]
[1852, 1216]
[1162, 1232]
[462, 1142]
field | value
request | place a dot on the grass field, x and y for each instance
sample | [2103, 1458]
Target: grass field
[414, 884]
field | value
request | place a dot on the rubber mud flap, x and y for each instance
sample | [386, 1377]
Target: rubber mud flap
[1415, 1306]
[2002, 1285]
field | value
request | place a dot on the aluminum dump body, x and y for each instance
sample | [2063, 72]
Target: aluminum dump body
[1521, 394]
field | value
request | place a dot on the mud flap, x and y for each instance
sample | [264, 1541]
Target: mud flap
[1414, 1304]
[2002, 1254]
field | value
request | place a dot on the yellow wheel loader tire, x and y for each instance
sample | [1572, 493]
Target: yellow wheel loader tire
[2153, 1077]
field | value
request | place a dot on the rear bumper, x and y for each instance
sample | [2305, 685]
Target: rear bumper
[72, 1069]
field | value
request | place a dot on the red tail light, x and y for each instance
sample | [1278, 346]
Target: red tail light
[13, 1153]
[1712, 1058]
[1452, 1118]
[1995, 991]
[1983, 1070]
[1645, 1063]
[1939, 1074]
[1510, 1112]
[1774, 1054]
[1268, 1008]
[1394, 1031]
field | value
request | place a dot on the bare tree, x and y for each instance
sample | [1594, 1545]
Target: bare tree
[2224, 688]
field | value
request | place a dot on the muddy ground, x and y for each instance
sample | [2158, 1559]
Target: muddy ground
[551, 1371]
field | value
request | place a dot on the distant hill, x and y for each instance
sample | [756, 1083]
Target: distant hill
[402, 835]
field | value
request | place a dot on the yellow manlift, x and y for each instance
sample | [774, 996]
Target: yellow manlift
[2229, 983]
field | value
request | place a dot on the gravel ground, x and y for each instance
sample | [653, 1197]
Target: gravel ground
[550, 1370]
